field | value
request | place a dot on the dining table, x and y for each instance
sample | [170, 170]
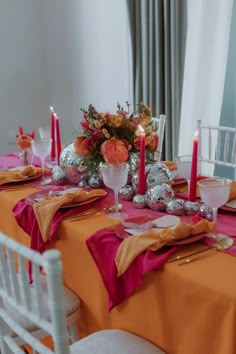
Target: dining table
[182, 307]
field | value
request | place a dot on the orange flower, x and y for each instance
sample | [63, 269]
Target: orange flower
[82, 147]
[152, 142]
[115, 120]
[23, 141]
[115, 151]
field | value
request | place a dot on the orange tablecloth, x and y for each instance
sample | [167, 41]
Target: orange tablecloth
[187, 309]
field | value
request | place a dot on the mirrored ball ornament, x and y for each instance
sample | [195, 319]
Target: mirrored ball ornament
[126, 193]
[191, 208]
[58, 176]
[158, 174]
[206, 212]
[95, 180]
[75, 166]
[139, 201]
[158, 196]
[175, 207]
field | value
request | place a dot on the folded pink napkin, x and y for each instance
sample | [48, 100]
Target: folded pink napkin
[103, 246]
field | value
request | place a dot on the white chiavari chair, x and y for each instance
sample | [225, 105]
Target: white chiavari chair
[16, 296]
[16, 293]
[217, 147]
[159, 124]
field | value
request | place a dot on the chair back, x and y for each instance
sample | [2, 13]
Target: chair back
[159, 124]
[16, 293]
[217, 146]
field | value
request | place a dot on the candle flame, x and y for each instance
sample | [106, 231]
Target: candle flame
[196, 134]
[51, 109]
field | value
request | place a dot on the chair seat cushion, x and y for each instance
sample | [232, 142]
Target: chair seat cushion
[72, 304]
[114, 341]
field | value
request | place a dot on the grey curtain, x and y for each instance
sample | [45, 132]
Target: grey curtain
[158, 33]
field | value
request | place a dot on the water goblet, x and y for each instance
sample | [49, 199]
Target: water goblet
[184, 164]
[42, 149]
[214, 193]
[115, 177]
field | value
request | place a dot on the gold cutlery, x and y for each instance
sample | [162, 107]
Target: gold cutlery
[189, 260]
[178, 258]
[89, 213]
[26, 185]
[222, 244]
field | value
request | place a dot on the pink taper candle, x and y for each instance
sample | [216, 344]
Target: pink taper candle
[58, 138]
[141, 175]
[193, 178]
[53, 149]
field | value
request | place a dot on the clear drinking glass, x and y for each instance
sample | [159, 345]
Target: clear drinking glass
[42, 149]
[214, 193]
[184, 164]
[115, 177]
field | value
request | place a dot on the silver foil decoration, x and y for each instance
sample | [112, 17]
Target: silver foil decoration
[158, 174]
[75, 166]
[158, 196]
[175, 207]
[95, 180]
[126, 193]
[139, 201]
[191, 208]
[206, 212]
[58, 175]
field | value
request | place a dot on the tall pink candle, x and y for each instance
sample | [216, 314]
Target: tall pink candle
[141, 175]
[58, 138]
[193, 178]
[53, 149]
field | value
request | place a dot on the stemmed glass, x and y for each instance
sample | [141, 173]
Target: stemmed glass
[45, 134]
[115, 177]
[42, 149]
[214, 193]
[184, 164]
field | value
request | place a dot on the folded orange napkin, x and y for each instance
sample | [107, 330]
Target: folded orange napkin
[184, 189]
[153, 240]
[170, 164]
[19, 174]
[47, 208]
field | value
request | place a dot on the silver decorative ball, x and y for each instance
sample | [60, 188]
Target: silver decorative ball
[58, 175]
[95, 180]
[158, 174]
[139, 201]
[175, 207]
[158, 196]
[75, 166]
[126, 193]
[206, 212]
[134, 158]
[191, 208]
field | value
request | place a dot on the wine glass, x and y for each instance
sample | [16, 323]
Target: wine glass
[184, 164]
[45, 134]
[114, 177]
[42, 149]
[214, 193]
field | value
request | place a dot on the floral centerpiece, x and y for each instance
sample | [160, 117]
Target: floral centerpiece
[112, 137]
[23, 142]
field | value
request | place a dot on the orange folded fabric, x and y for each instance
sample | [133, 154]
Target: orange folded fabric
[47, 208]
[19, 174]
[153, 240]
[170, 164]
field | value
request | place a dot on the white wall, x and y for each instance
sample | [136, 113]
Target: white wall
[22, 90]
[61, 53]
